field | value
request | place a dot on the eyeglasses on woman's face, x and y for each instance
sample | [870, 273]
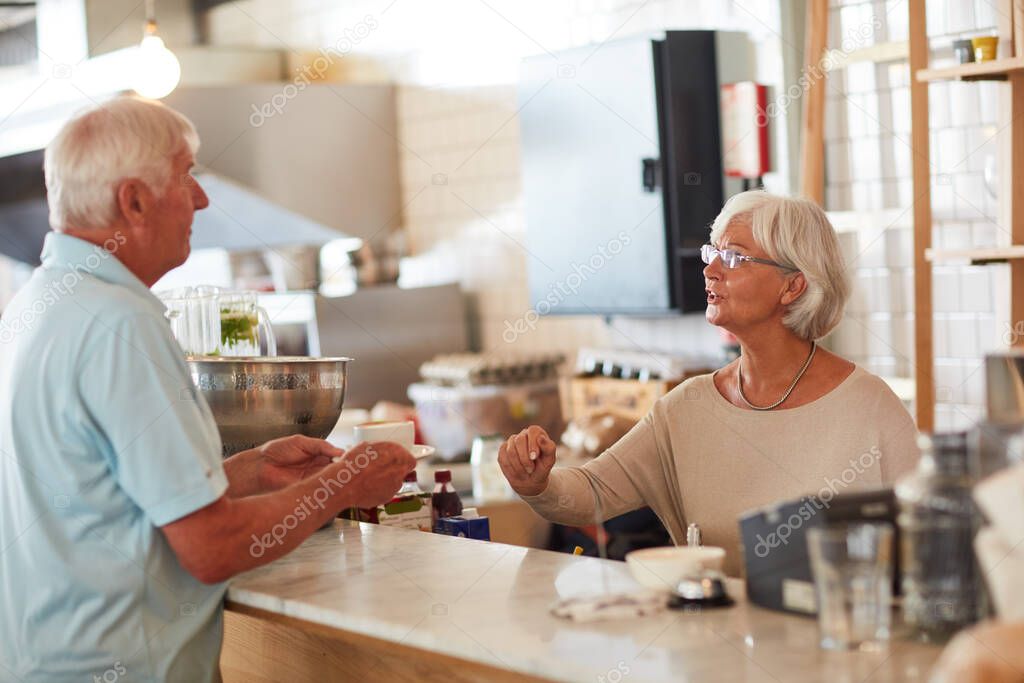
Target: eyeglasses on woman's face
[731, 259]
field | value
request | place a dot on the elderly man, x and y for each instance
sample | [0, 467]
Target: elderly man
[119, 522]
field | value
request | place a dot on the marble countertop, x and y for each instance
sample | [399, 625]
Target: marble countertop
[488, 603]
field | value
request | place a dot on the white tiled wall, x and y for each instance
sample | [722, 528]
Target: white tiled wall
[868, 169]
[457, 64]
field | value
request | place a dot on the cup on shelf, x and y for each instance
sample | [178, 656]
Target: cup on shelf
[985, 48]
[852, 567]
[964, 51]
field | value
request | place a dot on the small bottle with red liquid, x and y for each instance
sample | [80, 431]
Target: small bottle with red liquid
[445, 502]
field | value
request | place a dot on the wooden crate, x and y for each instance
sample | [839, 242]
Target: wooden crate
[630, 398]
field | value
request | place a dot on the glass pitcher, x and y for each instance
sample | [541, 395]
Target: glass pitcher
[210, 321]
[194, 320]
[243, 324]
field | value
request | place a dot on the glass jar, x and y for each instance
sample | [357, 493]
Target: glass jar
[489, 483]
[942, 585]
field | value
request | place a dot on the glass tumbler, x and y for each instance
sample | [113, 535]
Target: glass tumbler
[852, 567]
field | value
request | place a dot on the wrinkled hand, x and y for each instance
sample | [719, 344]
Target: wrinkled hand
[526, 460]
[290, 459]
[376, 471]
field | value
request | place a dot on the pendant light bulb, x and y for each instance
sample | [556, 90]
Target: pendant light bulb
[157, 70]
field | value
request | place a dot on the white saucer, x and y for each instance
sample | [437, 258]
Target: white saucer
[419, 451]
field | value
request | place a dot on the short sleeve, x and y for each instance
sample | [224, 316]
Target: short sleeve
[163, 445]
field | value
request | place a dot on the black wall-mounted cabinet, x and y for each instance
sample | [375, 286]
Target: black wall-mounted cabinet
[622, 170]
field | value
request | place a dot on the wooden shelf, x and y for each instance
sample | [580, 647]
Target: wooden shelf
[996, 70]
[875, 54]
[975, 256]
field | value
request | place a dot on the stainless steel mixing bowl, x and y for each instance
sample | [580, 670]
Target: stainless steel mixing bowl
[257, 399]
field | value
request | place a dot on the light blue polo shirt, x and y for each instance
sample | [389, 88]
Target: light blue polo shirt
[102, 440]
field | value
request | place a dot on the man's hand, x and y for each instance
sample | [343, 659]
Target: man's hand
[284, 461]
[234, 534]
[378, 468]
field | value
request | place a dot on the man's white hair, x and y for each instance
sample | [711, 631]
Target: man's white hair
[798, 234]
[126, 137]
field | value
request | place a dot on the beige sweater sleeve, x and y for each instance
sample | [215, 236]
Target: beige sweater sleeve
[629, 475]
[898, 437]
[668, 449]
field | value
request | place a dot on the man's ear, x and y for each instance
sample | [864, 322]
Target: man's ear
[796, 285]
[133, 201]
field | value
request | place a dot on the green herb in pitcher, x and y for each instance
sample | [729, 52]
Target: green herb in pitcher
[238, 328]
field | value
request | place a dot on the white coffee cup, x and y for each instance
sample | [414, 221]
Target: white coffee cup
[402, 433]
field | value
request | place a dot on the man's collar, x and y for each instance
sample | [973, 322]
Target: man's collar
[77, 255]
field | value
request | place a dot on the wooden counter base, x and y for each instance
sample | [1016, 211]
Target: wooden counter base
[263, 647]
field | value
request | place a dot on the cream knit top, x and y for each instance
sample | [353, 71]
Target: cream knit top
[695, 457]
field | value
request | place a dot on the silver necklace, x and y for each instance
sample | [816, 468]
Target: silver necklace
[739, 377]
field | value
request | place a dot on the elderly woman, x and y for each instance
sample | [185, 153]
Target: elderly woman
[787, 418]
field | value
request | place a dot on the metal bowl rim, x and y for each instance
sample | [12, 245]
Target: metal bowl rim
[267, 359]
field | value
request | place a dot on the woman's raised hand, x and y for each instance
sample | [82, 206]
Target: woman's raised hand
[526, 460]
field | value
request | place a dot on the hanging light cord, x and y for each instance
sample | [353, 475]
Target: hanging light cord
[150, 25]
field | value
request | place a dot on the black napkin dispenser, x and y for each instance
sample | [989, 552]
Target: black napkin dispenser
[774, 537]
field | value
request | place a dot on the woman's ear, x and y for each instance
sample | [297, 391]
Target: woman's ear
[796, 285]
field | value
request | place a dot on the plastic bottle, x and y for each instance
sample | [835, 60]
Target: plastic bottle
[445, 502]
[410, 486]
[410, 508]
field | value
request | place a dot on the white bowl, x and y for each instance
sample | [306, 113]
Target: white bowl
[661, 568]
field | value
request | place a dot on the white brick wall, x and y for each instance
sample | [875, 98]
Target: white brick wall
[871, 154]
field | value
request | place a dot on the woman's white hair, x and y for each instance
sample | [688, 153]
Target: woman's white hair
[798, 234]
[126, 137]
